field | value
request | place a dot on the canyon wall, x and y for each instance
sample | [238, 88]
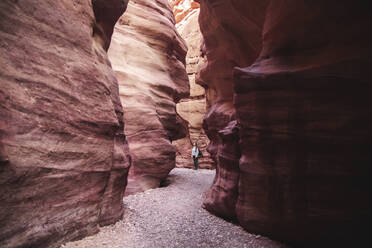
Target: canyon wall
[63, 154]
[291, 121]
[193, 108]
[232, 37]
[148, 57]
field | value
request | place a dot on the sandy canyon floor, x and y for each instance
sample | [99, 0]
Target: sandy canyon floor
[172, 216]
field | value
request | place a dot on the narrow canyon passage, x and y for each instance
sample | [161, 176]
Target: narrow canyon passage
[172, 216]
[101, 99]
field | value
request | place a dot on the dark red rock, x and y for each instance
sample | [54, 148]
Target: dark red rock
[225, 49]
[63, 154]
[303, 112]
[230, 40]
[222, 196]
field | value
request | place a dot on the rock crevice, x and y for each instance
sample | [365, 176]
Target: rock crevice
[193, 108]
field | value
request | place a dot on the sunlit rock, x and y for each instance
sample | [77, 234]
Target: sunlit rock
[193, 108]
[148, 57]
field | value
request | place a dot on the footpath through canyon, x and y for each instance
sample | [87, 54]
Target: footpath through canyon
[172, 217]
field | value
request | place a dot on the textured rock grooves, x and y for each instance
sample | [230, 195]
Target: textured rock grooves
[193, 108]
[300, 106]
[148, 57]
[63, 154]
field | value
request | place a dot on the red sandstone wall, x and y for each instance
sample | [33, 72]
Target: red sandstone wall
[224, 49]
[63, 155]
[303, 116]
[148, 57]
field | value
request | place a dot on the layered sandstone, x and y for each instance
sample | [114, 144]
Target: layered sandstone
[148, 57]
[184, 9]
[298, 171]
[230, 40]
[63, 154]
[193, 108]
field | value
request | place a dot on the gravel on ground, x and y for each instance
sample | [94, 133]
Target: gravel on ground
[172, 217]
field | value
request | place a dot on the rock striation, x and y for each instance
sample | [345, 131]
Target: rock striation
[148, 57]
[192, 109]
[231, 31]
[63, 154]
[184, 9]
[291, 120]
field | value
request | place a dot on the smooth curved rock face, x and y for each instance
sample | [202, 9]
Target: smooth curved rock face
[229, 40]
[303, 117]
[232, 37]
[148, 57]
[193, 108]
[63, 154]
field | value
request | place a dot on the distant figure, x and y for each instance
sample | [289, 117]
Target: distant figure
[195, 154]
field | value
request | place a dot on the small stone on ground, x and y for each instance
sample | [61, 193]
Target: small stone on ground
[172, 217]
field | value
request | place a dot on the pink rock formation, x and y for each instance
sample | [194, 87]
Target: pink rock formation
[63, 154]
[193, 108]
[299, 170]
[148, 57]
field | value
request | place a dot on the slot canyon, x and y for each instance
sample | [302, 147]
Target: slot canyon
[101, 102]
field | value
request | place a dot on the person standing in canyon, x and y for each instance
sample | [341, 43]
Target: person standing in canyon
[195, 154]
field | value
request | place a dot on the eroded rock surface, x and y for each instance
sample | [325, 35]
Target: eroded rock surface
[231, 31]
[63, 154]
[299, 104]
[193, 108]
[148, 57]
